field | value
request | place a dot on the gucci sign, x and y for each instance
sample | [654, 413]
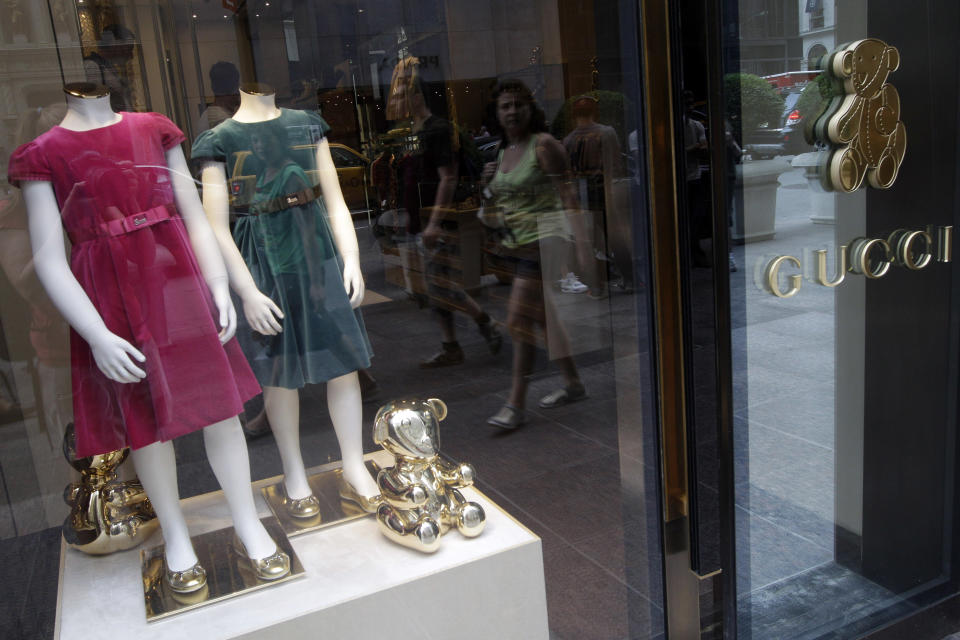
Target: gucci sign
[870, 257]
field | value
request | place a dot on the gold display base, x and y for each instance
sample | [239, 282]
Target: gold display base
[332, 510]
[228, 574]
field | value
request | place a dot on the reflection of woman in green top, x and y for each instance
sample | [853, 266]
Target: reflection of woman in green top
[529, 183]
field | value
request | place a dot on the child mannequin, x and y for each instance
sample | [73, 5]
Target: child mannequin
[90, 120]
[251, 126]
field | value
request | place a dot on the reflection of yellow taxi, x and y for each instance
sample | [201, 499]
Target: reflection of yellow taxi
[351, 171]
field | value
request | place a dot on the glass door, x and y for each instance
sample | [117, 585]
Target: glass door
[819, 150]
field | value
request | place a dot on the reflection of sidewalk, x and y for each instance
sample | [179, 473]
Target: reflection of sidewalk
[784, 401]
[784, 377]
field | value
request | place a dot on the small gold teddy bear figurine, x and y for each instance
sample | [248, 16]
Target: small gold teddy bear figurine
[420, 492]
[106, 514]
[864, 124]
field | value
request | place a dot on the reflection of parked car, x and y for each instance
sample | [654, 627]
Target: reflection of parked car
[787, 138]
[791, 126]
[352, 172]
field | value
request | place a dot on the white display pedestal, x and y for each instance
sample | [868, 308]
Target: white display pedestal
[357, 583]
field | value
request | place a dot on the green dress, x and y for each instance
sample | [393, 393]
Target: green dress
[290, 251]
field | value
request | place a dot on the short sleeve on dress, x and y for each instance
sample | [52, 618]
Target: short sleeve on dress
[316, 118]
[170, 134]
[28, 163]
[207, 147]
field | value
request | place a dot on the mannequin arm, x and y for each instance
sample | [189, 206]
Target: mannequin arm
[341, 224]
[112, 353]
[202, 240]
[261, 312]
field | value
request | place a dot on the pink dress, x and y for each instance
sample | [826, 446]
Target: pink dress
[132, 256]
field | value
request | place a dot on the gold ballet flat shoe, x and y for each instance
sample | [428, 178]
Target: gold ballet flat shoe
[349, 494]
[188, 580]
[301, 507]
[273, 567]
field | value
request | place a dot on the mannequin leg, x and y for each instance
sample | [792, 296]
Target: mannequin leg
[227, 453]
[346, 413]
[283, 414]
[156, 466]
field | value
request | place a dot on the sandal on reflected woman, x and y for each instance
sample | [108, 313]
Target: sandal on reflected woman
[509, 417]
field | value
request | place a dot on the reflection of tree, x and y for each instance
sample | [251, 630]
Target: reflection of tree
[751, 103]
[816, 96]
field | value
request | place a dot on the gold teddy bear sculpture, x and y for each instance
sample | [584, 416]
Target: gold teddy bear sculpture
[421, 493]
[863, 124]
[106, 514]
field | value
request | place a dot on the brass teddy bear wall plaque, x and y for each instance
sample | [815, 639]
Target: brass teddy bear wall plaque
[862, 124]
[421, 493]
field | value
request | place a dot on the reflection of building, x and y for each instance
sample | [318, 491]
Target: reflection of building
[31, 69]
[817, 20]
[777, 36]
[769, 37]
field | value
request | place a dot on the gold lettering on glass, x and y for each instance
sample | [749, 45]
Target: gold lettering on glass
[862, 126]
[773, 277]
[861, 263]
[907, 253]
[945, 244]
[841, 267]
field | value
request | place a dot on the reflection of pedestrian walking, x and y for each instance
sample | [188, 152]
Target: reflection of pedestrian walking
[430, 177]
[108, 65]
[225, 84]
[529, 182]
[694, 143]
[734, 157]
[594, 152]
[49, 335]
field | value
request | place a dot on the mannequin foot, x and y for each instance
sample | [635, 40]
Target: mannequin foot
[351, 500]
[295, 485]
[254, 537]
[270, 567]
[183, 571]
[351, 494]
[301, 507]
[188, 580]
[360, 479]
[178, 555]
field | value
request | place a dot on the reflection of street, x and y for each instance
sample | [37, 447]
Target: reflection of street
[784, 417]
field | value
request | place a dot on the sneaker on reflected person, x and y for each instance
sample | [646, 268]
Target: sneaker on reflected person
[570, 283]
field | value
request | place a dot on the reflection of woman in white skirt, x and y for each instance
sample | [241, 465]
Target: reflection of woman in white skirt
[528, 182]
